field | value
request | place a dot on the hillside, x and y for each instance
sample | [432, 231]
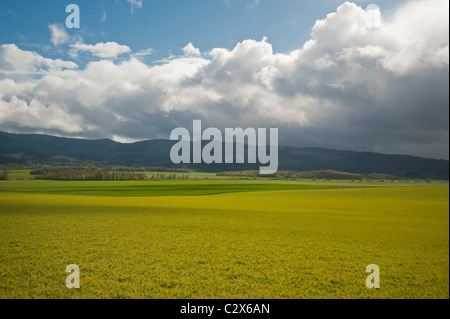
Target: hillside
[35, 148]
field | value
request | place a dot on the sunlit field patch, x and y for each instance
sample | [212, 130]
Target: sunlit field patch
[265, 243]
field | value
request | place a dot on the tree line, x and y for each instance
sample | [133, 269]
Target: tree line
[161, 176]
[4, 175]
[84, 174]
[317, 174]
[65, 173]
[147, 169]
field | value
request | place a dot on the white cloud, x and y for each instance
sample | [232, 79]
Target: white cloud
[16, 61]
[381, 87]
[103, 18]
[123, 140]
[190, 50]
[102, 50]
[35, 115]
[135, 4]
[143, 53]
[58, 34]
[419, 36]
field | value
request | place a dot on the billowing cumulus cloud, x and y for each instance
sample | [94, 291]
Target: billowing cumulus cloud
[362, 82]
[16, 61]
[189, 49]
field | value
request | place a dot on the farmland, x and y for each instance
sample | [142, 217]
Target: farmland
[223, 239]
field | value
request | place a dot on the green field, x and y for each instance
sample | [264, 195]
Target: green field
[223, 239]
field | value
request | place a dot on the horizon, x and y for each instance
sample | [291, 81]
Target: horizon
[280, 146]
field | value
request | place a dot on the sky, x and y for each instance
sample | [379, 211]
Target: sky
[362, 75]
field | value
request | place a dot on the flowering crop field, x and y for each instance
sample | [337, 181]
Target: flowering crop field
[215, 240]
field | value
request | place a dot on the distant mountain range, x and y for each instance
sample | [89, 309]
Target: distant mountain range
[36, 148]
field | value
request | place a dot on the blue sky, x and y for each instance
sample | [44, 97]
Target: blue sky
[167, 26]
[334, 74]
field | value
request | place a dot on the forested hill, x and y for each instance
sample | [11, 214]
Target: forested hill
[35, 148]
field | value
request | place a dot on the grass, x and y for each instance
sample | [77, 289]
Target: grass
[255, 239]
[145, 188]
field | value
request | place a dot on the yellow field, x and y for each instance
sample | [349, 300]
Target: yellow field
[271, 244]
